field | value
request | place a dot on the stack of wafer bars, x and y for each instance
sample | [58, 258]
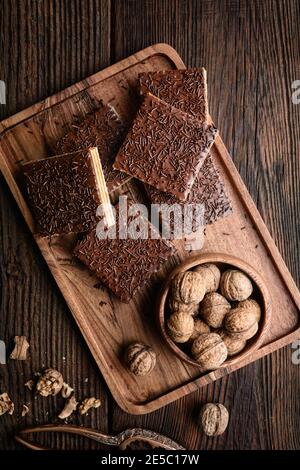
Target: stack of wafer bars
[167, 148]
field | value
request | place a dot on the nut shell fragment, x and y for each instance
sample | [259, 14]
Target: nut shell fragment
[19, 352]
[66, 390]
[25, 410]
[70, 406]
[6, 404]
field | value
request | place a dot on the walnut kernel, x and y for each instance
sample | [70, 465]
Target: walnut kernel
[214, 419]
[50, 383]
[211, 276]
[140, 358]
[213, 309]
[235, 285]
[89, 403]
[180, 327]
[209, 351]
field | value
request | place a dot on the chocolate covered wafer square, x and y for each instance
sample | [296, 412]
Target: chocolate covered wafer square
[184, 89]
[65, 191]
[125, 264]
[165, 147]
[102, 129]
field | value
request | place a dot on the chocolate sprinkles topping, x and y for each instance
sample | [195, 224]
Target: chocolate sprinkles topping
[102, 129]
[184, 89]
[165, 147]
[63, 193]
[124, 265]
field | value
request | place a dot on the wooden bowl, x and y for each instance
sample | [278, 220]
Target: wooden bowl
[223, 261]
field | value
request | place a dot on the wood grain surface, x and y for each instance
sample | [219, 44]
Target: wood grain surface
[251, 52]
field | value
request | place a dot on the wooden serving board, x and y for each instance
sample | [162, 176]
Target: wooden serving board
[107, 324]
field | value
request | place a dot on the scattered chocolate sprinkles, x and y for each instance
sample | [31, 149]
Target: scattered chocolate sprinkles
[102, 129]
[165, 147]
[63, 193]
[124, 265]
[184, 89]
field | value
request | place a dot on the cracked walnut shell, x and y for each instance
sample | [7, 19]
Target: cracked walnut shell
[188, 287]
[211, 276]
[214, 419]
[50, 383]
[235, 285]
[209, 351]
[241, 323]
[213, 309]
[140, 358]
[180, 326]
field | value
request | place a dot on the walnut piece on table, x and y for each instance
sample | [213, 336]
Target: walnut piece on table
[25, 410]
[6, 404]
[70, 406]
[19, 352]
[66, 390]
[50, 383]
[88, 403]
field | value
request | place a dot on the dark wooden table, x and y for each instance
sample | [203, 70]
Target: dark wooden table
[251, 52]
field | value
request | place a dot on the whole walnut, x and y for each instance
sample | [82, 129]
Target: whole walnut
[188, 287]
[235, 285]
[213, 309]
[211, 276]
[209, 351]
[191, 308]
[140, 358]
[233, 345]
[241, 323]
[214, 419]
[252, 305]
[180, 326]
[200, 327]
[50, 383]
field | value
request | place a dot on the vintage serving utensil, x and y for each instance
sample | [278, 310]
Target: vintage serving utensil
[122, 440]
